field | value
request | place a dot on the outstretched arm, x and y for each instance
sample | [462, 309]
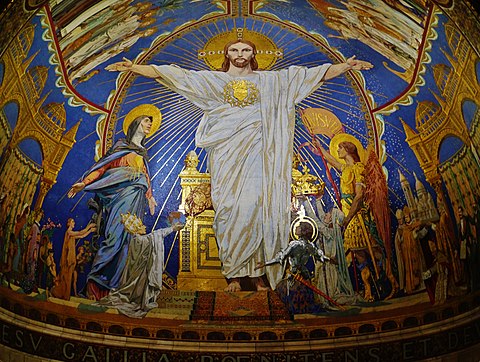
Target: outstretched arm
[128, 66]
[319, 150]
[82, 233]
[351, 64]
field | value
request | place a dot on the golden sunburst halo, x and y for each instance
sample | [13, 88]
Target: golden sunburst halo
[144, 110]
[345, 137]
[267, 51]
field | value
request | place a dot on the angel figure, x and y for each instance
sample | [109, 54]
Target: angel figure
[364, 201]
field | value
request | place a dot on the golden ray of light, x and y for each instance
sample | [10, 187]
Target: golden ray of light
[172, 146]
[176, 119]
[65, 194]
[285, 45]
[113, 80]
[184, 62]
[211, 33]
[336, 82]
[176, 127]
[172, 169]
[173, 186]
[327, 97]
[200, 41]
[166, 100]
[88, 135]
[330, 91]
[195, 45]
[200, 151]
[356, 133]
[261, 30]
[135, 100]
[324, 99]
[215, 24]
[398, 197]
[76, 204]
[177, 130]
[393, 126]
[171, 249]
[279, 41]
[174, 102]
[205, 36]
[162, 136]
[289, 60]
[191, 130]
[161, 91]
[185, 53]
[404, 169]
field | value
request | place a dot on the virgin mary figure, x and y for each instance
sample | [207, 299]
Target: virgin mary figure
[121, 183]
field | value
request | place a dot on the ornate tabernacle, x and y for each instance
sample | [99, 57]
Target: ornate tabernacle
[199, 263]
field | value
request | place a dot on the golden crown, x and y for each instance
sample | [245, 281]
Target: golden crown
[304, 183]
[132, 223]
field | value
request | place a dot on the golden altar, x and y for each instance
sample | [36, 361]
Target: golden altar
[199, 264]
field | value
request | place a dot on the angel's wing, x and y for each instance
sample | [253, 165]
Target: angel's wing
[376, 197]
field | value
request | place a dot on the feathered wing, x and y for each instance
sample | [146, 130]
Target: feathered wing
[376, 197]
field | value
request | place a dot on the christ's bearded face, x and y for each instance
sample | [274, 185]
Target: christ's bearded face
[240, 54]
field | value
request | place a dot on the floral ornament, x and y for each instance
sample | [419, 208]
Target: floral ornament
[49, 227]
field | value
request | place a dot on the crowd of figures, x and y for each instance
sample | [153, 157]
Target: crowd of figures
[436, 256]
[27, 255]
[427, 255]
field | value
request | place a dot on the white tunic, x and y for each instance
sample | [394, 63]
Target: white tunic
[250, 159]
[141, 280]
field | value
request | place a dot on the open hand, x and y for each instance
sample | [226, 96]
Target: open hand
[75, 189]
[124, 66]
[356, 64]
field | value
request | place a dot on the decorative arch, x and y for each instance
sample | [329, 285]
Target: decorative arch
[31, 148]
[448, 147]
[11, 111]
[469, 110]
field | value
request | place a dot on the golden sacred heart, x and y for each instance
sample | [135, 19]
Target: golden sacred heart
[240, 93]
[240, 90]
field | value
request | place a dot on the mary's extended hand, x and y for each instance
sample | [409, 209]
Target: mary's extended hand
[123, 66]
[75, 189]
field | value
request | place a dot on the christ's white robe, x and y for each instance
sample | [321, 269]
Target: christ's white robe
[249, 152]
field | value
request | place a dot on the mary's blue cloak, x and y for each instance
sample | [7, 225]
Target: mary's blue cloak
[120, 190]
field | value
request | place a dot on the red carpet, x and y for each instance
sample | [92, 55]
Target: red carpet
[239, 306]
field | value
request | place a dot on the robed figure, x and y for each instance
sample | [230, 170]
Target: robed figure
[121, 182]
[247, 131]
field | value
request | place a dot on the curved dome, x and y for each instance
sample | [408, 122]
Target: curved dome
[425, 111]
[56, 112]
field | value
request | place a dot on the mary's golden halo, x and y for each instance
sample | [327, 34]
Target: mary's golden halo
[148, 110]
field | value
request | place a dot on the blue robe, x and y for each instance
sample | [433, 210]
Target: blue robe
[120, 190]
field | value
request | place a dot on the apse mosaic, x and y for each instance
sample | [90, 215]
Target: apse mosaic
[381, 201]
